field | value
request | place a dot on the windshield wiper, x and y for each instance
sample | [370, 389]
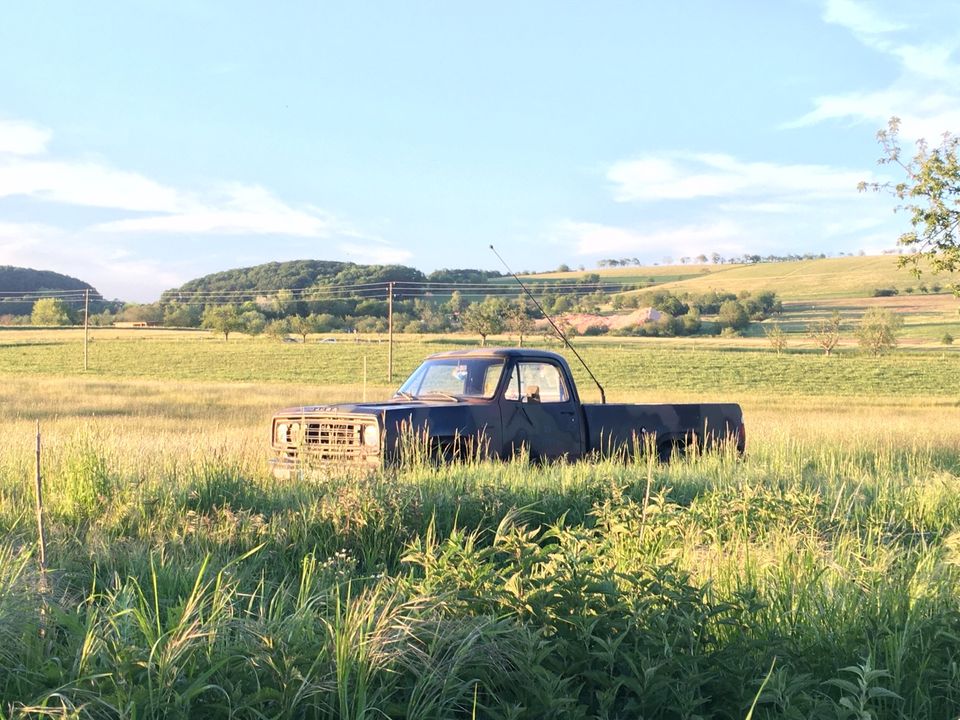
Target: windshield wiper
[405, 395]
[437, 393]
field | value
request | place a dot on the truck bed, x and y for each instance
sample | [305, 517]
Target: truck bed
[612, 427]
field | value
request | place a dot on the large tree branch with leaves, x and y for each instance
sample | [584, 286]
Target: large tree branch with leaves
[931, 195]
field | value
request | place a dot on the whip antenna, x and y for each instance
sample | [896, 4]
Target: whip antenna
[603, 395]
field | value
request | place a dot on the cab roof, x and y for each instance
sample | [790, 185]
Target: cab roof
[504, 352]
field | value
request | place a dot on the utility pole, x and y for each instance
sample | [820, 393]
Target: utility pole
[390, 332]
[86, 325]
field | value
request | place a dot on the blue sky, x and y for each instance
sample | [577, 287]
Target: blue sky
[145, 143]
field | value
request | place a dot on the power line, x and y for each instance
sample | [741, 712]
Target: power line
[29, 294]
[403, 289]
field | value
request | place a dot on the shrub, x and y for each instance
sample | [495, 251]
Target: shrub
[733, 315]
[593, 330]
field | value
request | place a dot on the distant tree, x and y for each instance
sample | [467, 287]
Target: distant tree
[484, 318]
[947, 339]
[733, 315]
[776, 337]
[715, 258]
[763, 304]
[563, 303]
[826, 333]
[563, 267]
[690, 323]
[176, 315]
[304, 325]
[701, 258]
[222, 319]
[50, 311]
[142, 312]
[104, 319]
[277, 329]
[931, 191]
[877, 332]
[253, 322]
[457, 276]
[667, 302]
[457, 303]
[283, 303]
[519, 320]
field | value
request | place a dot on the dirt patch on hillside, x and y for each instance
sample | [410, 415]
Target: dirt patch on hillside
[581, 321]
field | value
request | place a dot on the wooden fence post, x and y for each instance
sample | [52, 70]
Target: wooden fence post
[41, 537]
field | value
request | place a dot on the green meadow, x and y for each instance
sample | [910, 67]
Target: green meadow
[817, 577]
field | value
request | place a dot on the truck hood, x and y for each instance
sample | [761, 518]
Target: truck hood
[371, 408]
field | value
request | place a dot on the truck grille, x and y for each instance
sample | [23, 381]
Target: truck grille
[322, 438]
[333, 437]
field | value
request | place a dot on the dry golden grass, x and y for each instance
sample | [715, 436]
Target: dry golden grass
[138, 418]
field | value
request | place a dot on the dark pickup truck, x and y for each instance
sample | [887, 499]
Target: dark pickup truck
[494, 402]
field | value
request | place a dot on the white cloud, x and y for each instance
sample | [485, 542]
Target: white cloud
[86, 184]
[685, 176]
[861, 19]
[599, 239]
[926, 93]
[229, 209]
[376, 253]
[932, 61]
[237, 210]
[114, 254]
[732, 206]
[108, 267]
[22, 138]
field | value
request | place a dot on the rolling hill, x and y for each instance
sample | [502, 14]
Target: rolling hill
[15, 280]
[843, 277]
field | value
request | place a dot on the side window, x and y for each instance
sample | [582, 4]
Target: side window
[537, 382]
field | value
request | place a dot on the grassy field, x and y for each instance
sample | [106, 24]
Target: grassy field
[812, 290]
[841, 277]
[818, 577]
[635, 369]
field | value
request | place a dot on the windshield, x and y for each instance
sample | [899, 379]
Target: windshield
[455, 378]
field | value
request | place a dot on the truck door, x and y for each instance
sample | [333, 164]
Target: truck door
[539, 413]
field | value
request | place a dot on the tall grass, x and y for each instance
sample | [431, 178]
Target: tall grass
[185, 581]
[201, 587]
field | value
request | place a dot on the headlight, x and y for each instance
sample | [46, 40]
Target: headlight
[371, 435]
[287, 433]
